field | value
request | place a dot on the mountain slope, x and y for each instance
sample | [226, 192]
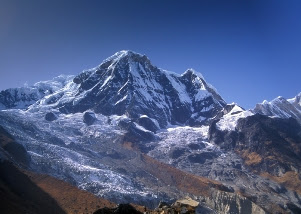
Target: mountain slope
[127, 83]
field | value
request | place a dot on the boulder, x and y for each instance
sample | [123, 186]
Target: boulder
[89, 118]
[148, 123]
[50, 116]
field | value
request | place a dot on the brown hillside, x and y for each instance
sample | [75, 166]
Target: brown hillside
[183, 181]
[69, 198]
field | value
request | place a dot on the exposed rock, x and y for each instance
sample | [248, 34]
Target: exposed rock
[175, 153]
[135, 133]
[267, 144]
[120, 209]
[189, 202]
[183, 206]
[225, 203]
[89, 118]
[269, 147]
[202, 157]
[50, 116]
[148, 123]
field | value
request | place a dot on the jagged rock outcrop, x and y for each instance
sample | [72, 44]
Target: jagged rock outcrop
[225, 203]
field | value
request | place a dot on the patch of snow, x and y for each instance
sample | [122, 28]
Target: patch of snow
[181, 89]
[229, 121]
[141, 127]
[122, 99]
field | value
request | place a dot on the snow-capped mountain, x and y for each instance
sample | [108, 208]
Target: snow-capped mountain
[21, 98]
[127, 83]
[281, 107]
[131, 132]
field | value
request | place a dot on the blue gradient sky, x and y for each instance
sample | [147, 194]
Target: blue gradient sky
[249, 50]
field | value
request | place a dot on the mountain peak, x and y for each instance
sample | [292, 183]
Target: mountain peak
[191, 71]
[126, 83]
[281, 107]
[123, 54]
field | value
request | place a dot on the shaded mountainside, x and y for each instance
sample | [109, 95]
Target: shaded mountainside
[11, 150]
[266, 144]
[68, 197]
[270, 147]
[23, 191]
[20, 195]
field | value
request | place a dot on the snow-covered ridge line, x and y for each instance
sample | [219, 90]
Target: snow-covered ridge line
[281, 107]
[127, 83]
[23, 97]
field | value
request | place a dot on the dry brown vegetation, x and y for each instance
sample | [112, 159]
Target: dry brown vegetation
[183, 181]
[252, 158]
[291, 180]
[69, 198]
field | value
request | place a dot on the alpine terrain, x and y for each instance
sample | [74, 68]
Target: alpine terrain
[130, 132]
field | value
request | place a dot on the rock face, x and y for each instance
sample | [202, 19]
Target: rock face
[281, 107]
[127, 83]
[267, 144]
[148, 123]
[135, 133]
[224, 203]
[185, 206]
[269, 147]
[220, 202]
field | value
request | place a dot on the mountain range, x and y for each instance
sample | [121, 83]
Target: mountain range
[131, 132]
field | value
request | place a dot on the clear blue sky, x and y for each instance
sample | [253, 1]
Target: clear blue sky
[249, 50]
